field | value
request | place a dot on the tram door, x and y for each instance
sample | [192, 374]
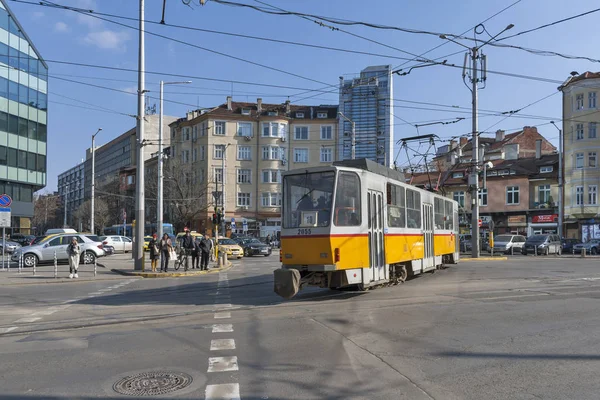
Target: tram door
[428, 254]
[376, 250]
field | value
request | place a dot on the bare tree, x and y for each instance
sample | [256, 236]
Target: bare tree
[47, 211]
[101, 214]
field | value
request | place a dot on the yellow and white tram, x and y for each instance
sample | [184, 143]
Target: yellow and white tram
[358, 223]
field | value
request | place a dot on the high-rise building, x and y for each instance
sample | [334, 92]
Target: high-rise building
[368, 102]
[23, 119]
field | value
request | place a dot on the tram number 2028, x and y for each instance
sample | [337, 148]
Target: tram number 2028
[304, 231]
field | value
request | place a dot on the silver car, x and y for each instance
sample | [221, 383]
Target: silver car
[45, 250]
[10, 246]
[504, 243]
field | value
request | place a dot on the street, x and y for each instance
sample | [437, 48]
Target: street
[523, 328]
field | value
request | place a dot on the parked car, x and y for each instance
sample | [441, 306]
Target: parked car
[230, 247]
[91, 248]
[108, 250]
[10, 246]
[591, 247]
[567, 245]
[543, 244]
[59, 230]
[254, 247]
[121, 244]
[508, 243]
[23, 240]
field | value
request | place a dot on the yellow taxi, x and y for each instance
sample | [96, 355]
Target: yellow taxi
[147, 240]
[230, 247]
[197, 236]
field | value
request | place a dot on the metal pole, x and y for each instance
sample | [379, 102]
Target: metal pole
[561, 209]
[353, 143]
[159, 194]
[95, 266]
[475, 157]
[34, 264]
[66, 199]
[139, 198]
[223, 191]
[93, 183]
[55, 266]
[3, 246]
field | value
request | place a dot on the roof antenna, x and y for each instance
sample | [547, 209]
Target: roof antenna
[162, 20]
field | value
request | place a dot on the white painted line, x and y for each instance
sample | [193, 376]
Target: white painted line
[222, 364]
[224, 305]
[219, 328]
[222, 315]
[49, 312]
[105, 290]
[69, 301]
[95, 293]
[28, 319]
[228, 391]
[6, 330]
[222, 344]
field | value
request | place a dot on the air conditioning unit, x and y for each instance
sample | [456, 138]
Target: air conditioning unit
[245, 208]
[283, 138]
[283, 162]
[248, 138]
[379, 133]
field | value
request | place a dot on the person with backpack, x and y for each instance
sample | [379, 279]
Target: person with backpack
[74, 251]
[154, 252]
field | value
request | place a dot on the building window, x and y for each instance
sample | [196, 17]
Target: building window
[245, 111]
[273, 153]
[185, 156]
[592, 130]
[273, 129]
[244, 129]
[219, 151]
[219, 175]
[271, 199]
[483, 197]
[299, 115]
[301, 132]
[301, 155]
[579, 195]
[592, 159]
[321, 115]
[579, 160]
[195, 133]
[579, 131]
[579, 102]
[244, 153]
[220, 128]
[512, 195]
[194, 155]
[202, 152]
[457, 175]
[543, 194]
[460, 198]
[326, 132]
[592, 99]
[326, 154]
[186, 133]
[244, 176]
[547, 169]
[243, 199]
[592, 195]
[271, 176]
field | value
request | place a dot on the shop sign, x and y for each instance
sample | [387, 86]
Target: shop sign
[516, 219]
[485, 219]
[540, 219]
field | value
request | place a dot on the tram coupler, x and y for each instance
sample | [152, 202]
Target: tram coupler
[286, 282]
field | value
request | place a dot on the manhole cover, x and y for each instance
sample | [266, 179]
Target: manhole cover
[152, 383]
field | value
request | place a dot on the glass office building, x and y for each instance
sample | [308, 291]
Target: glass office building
[23, 119]
[368, 101]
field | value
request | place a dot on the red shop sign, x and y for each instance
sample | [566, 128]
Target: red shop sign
[537, 219]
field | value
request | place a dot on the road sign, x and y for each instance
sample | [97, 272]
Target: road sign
[5, 217]
[5, 201]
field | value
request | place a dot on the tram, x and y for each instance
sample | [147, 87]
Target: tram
[358, 223]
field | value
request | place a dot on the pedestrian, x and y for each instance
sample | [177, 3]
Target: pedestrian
[269, 240]
[154, 252]
[73, 250]
[187, 244]
[196, 254]
[206, 248]
[165, 250]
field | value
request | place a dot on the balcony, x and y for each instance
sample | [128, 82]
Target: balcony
[549, 205]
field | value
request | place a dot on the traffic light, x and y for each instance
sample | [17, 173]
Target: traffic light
[219, 218]
[214, 219]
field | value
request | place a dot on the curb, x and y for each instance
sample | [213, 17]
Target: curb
[143, 274]
[59, 280]
[485, 259]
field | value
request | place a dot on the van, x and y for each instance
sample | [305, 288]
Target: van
[508, 243]
[543, 244]
[59, 230]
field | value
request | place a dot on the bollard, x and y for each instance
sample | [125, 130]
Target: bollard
[20, 266]
[34, 264]
[55, 266]
[95, 266]
[582, 253]
[512, 250]
[534, 250]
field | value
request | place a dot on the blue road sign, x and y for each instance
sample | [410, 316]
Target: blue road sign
[5, 201]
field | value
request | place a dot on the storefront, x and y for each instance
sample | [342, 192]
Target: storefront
[543, 224]
[517, 224]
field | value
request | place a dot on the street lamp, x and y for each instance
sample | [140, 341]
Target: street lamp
[353, 143]
[223, 187]
[159, 194]
[93, 179]
[560, 181]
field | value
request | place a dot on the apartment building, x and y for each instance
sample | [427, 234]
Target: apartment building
[237, 151]
[581, 148]
[70, 188]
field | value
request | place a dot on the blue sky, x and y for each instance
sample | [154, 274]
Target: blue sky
[62, 35]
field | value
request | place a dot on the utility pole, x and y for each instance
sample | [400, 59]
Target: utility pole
[561, 209]
[93, 180]
[223, 189]
[139, 198]
[66, 199]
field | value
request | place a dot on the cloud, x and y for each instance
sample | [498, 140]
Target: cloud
[61, 27]
[37, 15]
[107, 39]
[131, 89]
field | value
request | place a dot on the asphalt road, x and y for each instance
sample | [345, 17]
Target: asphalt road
[520, 329]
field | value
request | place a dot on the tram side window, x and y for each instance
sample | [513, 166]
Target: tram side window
[396, 206]
[413, 209]
[439, 213]
[449, 215]
[347, 200]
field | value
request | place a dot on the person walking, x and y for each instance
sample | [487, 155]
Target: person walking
[154, 252]
[196, 254]
[165, 247]
[187, 244]
[268, 240]
[74, 251]
[205, 248]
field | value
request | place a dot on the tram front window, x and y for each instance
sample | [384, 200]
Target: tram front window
[308, 199]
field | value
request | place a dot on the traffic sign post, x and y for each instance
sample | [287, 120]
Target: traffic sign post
[245, 225]
[233, 224]
[5, 217]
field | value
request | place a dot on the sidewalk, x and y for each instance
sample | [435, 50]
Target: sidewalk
[171, 273]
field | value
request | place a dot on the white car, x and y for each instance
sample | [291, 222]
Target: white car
[121, 244]
[91, 248]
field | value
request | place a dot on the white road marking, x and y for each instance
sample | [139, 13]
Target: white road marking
[6, 330]
[222, 344]
[222, 364]
[95, 293]
[220, 328]
[228, 391]
[27, 319]
[222, 315]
